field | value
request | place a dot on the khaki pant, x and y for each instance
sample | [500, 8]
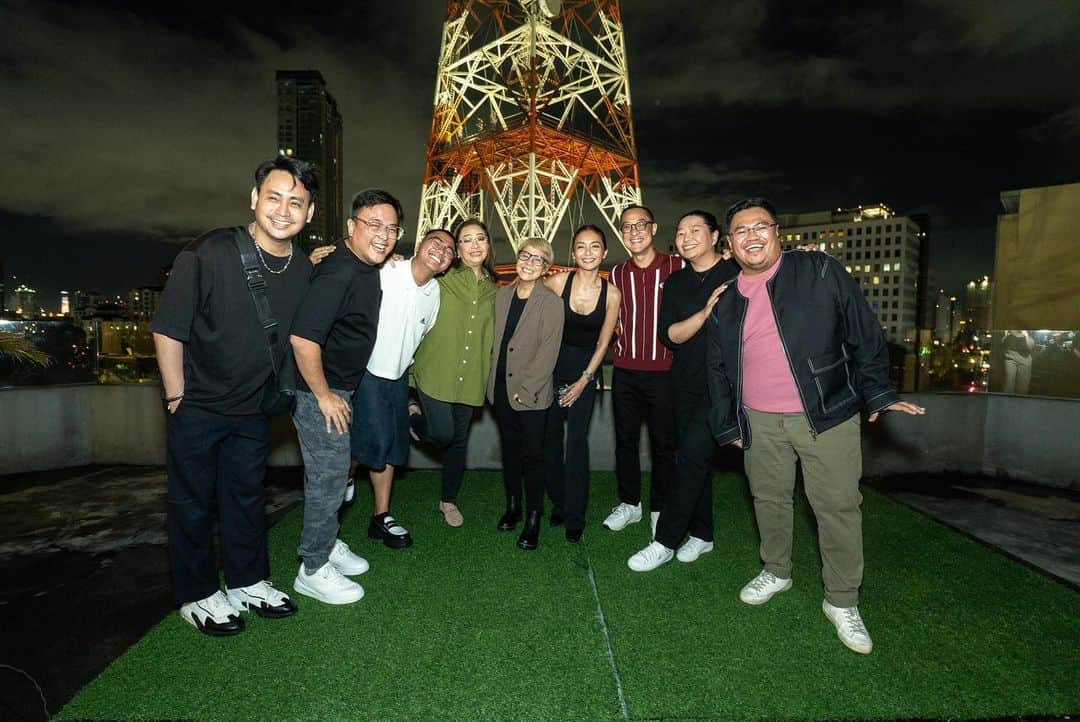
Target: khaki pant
[832, 466]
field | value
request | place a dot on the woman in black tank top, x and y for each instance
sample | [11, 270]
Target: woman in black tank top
[591, 305]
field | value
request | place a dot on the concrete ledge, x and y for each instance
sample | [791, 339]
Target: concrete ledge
[1024, 438]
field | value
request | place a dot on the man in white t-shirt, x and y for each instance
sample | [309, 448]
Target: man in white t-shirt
[410, 305]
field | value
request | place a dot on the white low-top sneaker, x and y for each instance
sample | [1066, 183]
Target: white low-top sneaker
[327, 585]
[650, 557]
[761, 588]
[849, 627]
[693, 548]
[214, 616]
[622, 515]
[346, 561]
[261, 598]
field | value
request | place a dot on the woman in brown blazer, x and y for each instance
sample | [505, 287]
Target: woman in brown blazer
[528, 333]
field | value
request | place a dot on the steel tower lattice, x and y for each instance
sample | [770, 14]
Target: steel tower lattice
[532, 105]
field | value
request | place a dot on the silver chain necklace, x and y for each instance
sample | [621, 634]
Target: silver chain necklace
[251, 230]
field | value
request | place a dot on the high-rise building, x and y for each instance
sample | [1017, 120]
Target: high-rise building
[142, 303]
[65, 303]
[310, 128]
[943, 317]
[977, 305]
[881, 250]
[24, 301]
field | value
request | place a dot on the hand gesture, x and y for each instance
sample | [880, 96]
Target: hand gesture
[320, 253]
[573, 392]
[905, 406]
[713, 298]
[337, 412]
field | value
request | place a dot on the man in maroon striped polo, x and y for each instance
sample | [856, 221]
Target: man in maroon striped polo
[641, 383]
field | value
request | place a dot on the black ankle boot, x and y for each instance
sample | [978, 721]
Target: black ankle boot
[509, 520]
[530, 533]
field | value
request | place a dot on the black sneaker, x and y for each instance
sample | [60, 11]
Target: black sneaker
[393, 535]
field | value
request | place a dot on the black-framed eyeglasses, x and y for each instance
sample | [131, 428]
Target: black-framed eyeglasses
[381, 229]
[760, 230]
[531, 258]
[640, 225]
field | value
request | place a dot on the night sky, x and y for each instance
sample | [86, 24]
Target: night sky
[130, 131]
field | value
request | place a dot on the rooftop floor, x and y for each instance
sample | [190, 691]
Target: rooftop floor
[84, 572]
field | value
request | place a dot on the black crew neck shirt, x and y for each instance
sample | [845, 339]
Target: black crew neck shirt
[341, 314]
[685, 293]
[206, 305]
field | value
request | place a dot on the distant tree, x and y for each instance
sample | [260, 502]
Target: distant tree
[17, 348]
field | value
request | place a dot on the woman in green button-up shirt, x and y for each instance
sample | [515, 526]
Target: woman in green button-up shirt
[452, 364]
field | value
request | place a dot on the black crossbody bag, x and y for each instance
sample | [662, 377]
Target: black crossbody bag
[279, 394]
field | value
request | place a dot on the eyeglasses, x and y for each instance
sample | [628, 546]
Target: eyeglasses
[481, 238]
[378, 228]
[526, 257]
[636, 225]
[440, 244]
[761, 230]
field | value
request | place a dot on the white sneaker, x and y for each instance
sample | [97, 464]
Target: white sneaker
[650, 557]
[761, 588]
[350, 490]
[654, 519]
[261, 598]
[214, 616]
[849, 627]
[692, 548]
[622, 515]
[345, 561]
[328, 585]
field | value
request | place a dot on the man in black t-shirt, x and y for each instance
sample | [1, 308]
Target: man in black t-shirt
[332, 336]
[215, 363]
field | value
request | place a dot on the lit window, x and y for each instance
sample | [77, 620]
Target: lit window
[821, 246]
[888, 266]
[877, 280]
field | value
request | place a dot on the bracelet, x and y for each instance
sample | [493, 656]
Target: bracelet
[170, 399]
[586, 375]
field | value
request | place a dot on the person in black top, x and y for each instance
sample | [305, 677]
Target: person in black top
[591, 307]
[689, 296]
[214, 361]
[333, 334]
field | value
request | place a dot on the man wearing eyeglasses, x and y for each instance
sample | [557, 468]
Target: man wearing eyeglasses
[332, 336]
[410, 305]
[794, 353]
[641, 381]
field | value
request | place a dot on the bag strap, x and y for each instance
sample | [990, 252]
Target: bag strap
[257, 286]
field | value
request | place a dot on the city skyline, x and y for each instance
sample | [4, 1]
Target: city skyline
[135, 130]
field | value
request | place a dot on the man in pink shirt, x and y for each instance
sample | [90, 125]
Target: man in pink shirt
[794, 354]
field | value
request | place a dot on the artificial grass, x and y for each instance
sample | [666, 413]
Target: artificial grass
[463, 625]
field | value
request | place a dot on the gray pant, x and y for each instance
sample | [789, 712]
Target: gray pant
[326, 469]
[832, 467]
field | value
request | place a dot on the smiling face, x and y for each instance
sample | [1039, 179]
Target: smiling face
[637, 230]
[589, 250]
[756, 252]
[282, 207]
[528, 267]
[372, 247]
[473, 245]
[435, 253]
[693, 239]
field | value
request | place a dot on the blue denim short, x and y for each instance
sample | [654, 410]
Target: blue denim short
[380, 422]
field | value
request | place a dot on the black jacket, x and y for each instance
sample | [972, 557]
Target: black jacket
[833, 341]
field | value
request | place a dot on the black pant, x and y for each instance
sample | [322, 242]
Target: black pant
[643, 396]
[522, 437]
[207, 455]
[568, 476]
[445, 426]
[689, 502]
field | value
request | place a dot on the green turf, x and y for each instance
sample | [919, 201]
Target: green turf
[463, 625]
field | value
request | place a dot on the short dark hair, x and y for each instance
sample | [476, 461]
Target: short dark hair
[742, 205]
[300, 170]
[709, 218]
[489, 262]
[371, 197]
[588, 227]
[637, 206]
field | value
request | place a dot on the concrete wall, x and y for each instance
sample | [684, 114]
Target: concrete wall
[1025, 438]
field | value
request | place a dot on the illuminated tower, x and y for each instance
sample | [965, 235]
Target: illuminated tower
[532, 105]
